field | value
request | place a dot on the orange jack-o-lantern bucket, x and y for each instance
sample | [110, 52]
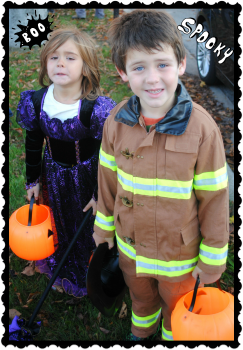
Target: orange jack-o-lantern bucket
[212, 317]
[30, 232]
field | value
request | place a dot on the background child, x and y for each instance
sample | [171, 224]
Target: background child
[71, 116]
[163, 186]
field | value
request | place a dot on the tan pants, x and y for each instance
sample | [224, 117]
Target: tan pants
[148, 296]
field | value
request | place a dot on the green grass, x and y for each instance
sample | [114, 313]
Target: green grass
[64, 323]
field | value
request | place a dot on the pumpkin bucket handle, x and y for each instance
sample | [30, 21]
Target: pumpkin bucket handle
[195, 292]
[31, 209]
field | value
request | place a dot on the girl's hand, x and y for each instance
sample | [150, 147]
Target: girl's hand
[205, 278]
[92, 204]
[34, 190]
[99, 240]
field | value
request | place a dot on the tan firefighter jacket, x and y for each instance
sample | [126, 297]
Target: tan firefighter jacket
[164, 193]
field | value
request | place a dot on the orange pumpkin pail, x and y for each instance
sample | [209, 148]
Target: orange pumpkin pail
[212, 317]
[31, 238]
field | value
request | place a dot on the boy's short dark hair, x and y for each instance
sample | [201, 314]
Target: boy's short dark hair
[143, 29]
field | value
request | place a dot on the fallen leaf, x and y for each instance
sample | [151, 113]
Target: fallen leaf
[228, 141]
[10, 284]
[73, 301]
[231, 290]
[80, 316]
[13, 313]
[202, 84]
[19, 130]
[99, 317]
[29, 269]
[123, 312]
[87, 328]
[45, 323]
[32, 296]
[104, 330]
[56, 301]
[231, 219]
[19, 297]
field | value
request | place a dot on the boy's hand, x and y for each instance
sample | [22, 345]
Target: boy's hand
[205, 278]
[34, 190]
[92, 204]
[99, 240]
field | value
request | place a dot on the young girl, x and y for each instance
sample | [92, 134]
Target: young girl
[69, 114]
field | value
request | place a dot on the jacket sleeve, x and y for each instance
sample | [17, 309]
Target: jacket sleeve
[107, 187]
[212, 192]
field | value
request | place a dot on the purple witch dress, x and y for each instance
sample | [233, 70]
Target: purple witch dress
[67, 190]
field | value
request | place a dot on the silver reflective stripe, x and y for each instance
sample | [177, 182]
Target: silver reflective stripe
[126, 249]
[163, 268]
[106, 223]
[167, 336]
[109, 162]
[213, 256]
[146, 321]
[154, 187]
[215, 181]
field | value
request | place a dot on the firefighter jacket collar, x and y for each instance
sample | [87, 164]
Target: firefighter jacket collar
[175, 121]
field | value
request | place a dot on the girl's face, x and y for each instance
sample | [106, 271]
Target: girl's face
[65, 66]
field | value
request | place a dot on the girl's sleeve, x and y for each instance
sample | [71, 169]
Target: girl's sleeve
[28, 120]
[100, 113]
[26, 116]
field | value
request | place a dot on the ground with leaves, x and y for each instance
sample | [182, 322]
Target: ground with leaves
[65, 318]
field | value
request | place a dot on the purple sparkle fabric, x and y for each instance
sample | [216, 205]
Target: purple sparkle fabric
[67, 190]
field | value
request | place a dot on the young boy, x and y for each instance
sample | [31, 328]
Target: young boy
[163, 185]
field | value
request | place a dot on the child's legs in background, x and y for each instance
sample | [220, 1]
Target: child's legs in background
[81, 13]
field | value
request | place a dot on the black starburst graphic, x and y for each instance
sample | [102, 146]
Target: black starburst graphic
[34, 33]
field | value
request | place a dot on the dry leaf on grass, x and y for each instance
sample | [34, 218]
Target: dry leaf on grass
[13, 313]
[104, 330]
[29, 270]
[73, 301]
[19, 297]
[80, 316]
[32, 296]
[123, 312]
[56, 301]
[99, 317]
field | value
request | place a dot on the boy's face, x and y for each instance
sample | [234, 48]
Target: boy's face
[153, 77]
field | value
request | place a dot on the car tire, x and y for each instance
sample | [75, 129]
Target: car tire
[206, 61]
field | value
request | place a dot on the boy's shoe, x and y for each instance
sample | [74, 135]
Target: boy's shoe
[132, 337]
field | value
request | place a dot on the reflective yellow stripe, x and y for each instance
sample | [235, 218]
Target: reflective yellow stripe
[107, 160]
[166, 334]
[211, 181]
[213, 256]
[126, 248]
[145, 321]
[104, 222]
[164, 268]
[155, 187]
[154, 266]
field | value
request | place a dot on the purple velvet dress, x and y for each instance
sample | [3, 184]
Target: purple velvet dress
[67, 190]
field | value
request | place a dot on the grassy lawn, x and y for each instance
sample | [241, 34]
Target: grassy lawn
[64, 318]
